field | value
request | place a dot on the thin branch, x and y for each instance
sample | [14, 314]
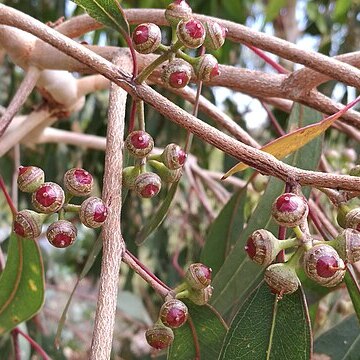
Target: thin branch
[26, 87]
[113, 243]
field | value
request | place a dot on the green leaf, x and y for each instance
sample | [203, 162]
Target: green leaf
[273, 9]
[266, 329]
[159, 216]
[224, 231]
[341, 9]
[342, 342]
[239, 275]
[107, 12]
[21, 283]
[210, 331]
[353, 289]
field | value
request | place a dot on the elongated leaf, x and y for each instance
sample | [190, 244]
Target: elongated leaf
[266, 329]
[353, 289]
[295, 140]
[342, 342]
[160, 214]
[210, 331]
[21, 283]
[224, 232]
[238, 275]
[107, 12]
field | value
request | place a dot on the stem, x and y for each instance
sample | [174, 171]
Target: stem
[140, 115]
[299, 234]
[288, 243]
[162, 289]
[72, 208]
[273, 322]
[7, 197]
[132, 116]
[195, 338]
[15, 339]
[33, 343]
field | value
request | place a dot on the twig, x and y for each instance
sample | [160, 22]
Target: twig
[113, 243]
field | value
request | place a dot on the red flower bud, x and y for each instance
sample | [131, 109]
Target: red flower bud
[146, 38]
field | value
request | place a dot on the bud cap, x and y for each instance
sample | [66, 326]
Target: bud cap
[281, 278]
[352, 219]
[173, 313]
[191, 33]
[61, 233]
[78, 182]
[30, 178]
[215, 35]
[173, 156]
[93, 212]
[176, 11]
[139, 143]
[177, 73]
[348, 245]
[159, 336]
[28, 224]
[207, 67]
[146, 38]
[147, 185]
[201, 296]
[198, 276]
[48, 198]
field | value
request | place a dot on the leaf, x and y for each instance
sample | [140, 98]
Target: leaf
[107, 12]
[159, 216]
[21, 283]
[353, 289]
[210, 330]
[239, 275]
[266, 329]
[341, 9]
[295, 140]
[342, 342]
[88, 264]
[224, 232]
[273, 9]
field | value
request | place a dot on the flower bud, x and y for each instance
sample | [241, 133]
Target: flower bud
[215, 35]
[28, 224]
[200, 296]
[290, 210]
[129, 174]
[93, 212]
[262, 247]
[352, 219]
[176, 11]
[147, 185]
[159, 336]
[48, 198]
[177, 73]
[191, 33]
[198, 276]
[61, 233]
[78, 182]
[173, 313]
[173, 156]
[206, 67]
[139, 143]
[281, 278]
[146, 38]
[323, 265]
[348, 245]
[30, 178]
[166, 175]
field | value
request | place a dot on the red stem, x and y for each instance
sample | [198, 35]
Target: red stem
[7, 197]
[195, 337]
[33, 343]
[273, 120]
[268, 60]
[319, 225]
[15, 339]
[175, 262]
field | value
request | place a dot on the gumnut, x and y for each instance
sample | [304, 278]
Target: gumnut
[323, 264]
[176, 11]
[129, 174]
[139, 143]
[30, 178]
[173, 313]
[177, 73]
[93, 212]
[78, 182]
[215, 35]
[48, 198]
[290, 210]
[28, 224]
[147, 185]
[200, 296]
[198, 276]
[281, 278]
[191, 33]
[166, 175]
[61, 233]
[352, 219]
[348, 245]
[173, 156]
[206, 67]
[146, 38]
[159, 336]
[262, 247]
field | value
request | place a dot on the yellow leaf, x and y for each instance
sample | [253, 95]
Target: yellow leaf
[293, 141]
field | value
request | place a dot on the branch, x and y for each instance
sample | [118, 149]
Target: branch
[263, 162]
[26, 87]
[113, 243]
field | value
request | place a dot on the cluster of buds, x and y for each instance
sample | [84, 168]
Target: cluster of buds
[191, 33]
[49, 198]
[323, 262]
[167, 165]
[174, 313]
